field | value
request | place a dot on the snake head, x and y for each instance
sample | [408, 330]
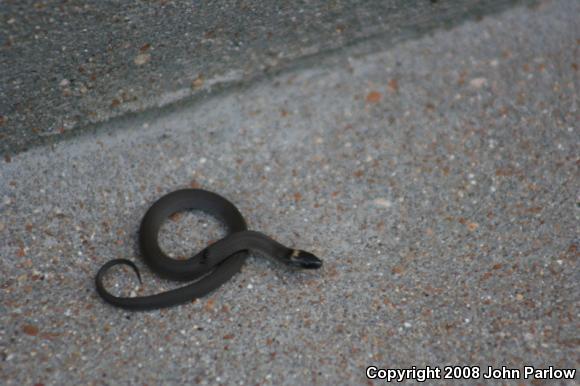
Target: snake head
[304, 260]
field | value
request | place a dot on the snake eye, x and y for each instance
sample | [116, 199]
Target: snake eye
[304, 260]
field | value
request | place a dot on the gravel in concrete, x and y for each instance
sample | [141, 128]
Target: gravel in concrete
[437, 179]
[64, 65]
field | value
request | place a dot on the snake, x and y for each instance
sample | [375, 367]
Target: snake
[208, 269]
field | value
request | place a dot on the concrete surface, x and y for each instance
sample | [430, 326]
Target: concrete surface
[64, 65]
[438, 180]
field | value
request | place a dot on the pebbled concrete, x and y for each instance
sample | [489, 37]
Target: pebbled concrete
[438, 179]
[65, 65]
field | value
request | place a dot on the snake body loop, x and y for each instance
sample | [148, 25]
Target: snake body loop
[212, 266]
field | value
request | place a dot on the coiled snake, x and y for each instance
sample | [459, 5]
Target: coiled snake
[213, 266]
